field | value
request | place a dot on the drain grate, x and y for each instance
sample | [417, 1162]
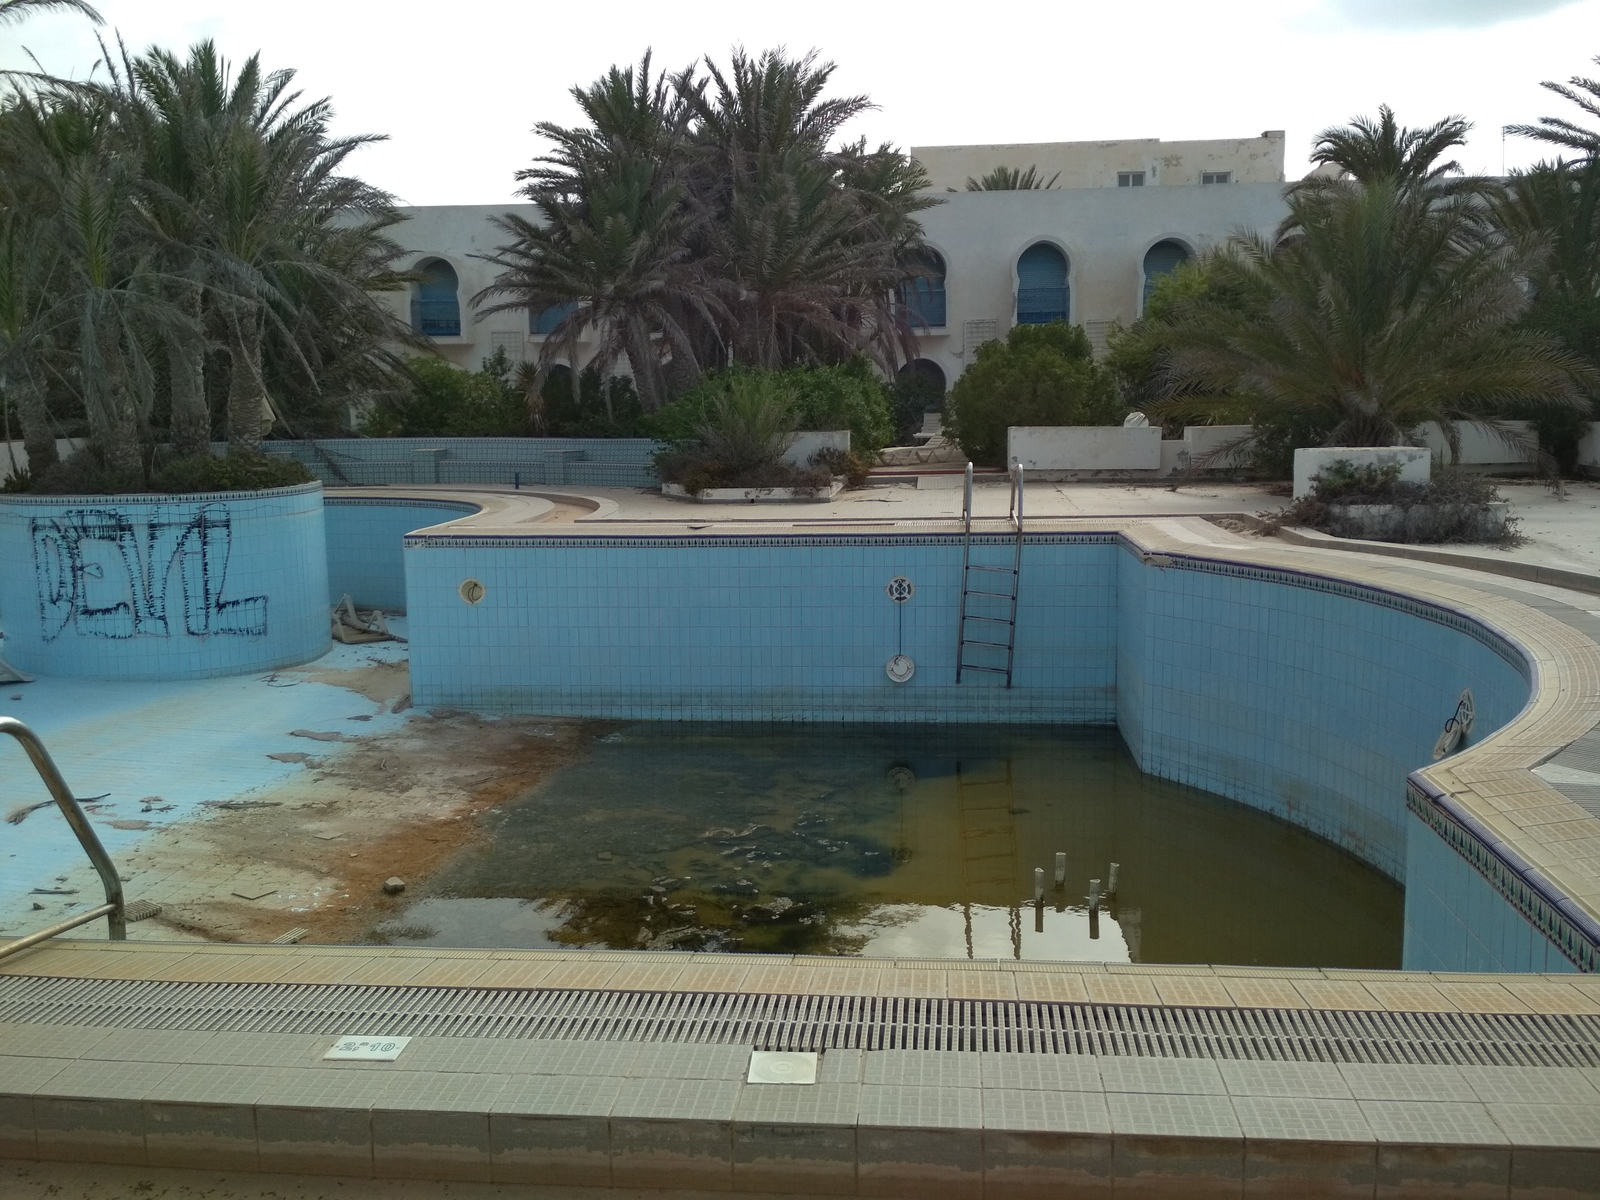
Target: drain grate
[786, 1022]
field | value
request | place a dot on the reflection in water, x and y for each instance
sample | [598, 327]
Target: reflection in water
[914, 842]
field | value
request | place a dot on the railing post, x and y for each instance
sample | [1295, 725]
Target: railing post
[116, 922]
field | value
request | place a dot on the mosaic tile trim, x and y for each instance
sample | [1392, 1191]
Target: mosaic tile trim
[465, 507]
[1554, 915]
[1514, 655]
[730, 541]
[297, 489]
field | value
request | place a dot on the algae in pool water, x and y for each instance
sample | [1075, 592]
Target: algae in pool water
[911, 841]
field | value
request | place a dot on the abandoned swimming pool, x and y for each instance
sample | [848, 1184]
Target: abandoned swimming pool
[900, 841]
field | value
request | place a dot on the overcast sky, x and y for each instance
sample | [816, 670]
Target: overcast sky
[458, 86]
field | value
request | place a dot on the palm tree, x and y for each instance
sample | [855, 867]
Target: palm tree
[1556, 131]
[260, 235]
[613, 243]
[1381, 308]
[1011, 179]
[1369, 151]
[807, 245]
[19, 10]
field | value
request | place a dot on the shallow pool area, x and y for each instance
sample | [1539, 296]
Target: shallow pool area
[899, 841]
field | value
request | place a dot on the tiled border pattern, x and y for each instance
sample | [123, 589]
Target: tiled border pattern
[57, 501]
[1563, 924]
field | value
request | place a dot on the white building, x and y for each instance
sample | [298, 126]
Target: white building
[1086, 250]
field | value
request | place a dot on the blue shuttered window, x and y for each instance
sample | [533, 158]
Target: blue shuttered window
[923, 298]
[1042, 294]
[1161, 259]
[435, 308]
[544, 323]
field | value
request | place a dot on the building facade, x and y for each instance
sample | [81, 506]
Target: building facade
[1086, 250]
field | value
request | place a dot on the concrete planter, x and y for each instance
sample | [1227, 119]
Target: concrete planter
[1085, 447]
[756, 495]
[164, 586]
[1416, 462]
[1393, 523]
[803, 445]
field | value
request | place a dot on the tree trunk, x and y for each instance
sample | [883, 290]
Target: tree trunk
[645, 365]
[186, 361]
[247, 394]
[113, 423]
[38, 438]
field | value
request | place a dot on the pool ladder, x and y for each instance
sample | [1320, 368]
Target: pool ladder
[112, 910]
[987, 591]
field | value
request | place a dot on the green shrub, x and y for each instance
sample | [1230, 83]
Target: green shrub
[1040, 375]
[445, 401]
[847, 396]
[85, 473]
[596, 407]
[234, 472]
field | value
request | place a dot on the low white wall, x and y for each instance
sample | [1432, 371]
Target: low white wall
[1201, 440]
[1084, 447]
[14, 458]
[1416, 462]
[803, 445]
[1481, 445]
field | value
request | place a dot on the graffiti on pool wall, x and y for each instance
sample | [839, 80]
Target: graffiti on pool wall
[108, 576]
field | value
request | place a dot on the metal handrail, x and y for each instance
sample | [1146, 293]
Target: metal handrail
[112, 909]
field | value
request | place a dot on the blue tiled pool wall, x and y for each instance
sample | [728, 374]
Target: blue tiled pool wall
[752, 628]
[1311, 700]
[532, 462]
[128, 587]
[1469, 909]
[366, 546]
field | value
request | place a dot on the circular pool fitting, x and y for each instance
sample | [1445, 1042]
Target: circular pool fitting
[471, 591]
[900, 668]
[900, 589]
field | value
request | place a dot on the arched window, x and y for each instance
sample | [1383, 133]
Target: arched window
[1161, 259]
[435, 308]
[542, 324]
[923, 298]
[1042, 294]
[925, 376]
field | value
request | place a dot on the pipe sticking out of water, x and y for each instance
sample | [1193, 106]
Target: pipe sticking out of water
[1061, 868]
[1038, 885]
[1111, 883]
[1094, 897]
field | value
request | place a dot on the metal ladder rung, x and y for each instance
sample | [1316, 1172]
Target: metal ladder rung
[993, 620]
[1001, 570]
[966, 666]
[980, 592]
[981, 642]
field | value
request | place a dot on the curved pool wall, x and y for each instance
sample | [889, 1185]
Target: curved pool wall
[164, 587]
[1306, 696]
[366, 544]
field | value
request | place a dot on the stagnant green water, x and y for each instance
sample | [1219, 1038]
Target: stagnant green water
[915, 841]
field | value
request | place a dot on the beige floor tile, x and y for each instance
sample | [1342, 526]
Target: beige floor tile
[1265, 993]
[982, 985]
[1481, 997]
[1327, 994]
[1121, 989]
[1064, 988]
[1188, 990]
[1410, 997]
[915, 983]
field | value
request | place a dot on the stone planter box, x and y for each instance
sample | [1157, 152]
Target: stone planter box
[1416, 462]
[756, 495]
[802, 446]
[153, 586]
[1392, 523]
[1085, 447]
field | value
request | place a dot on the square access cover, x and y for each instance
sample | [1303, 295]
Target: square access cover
[781, 1066]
